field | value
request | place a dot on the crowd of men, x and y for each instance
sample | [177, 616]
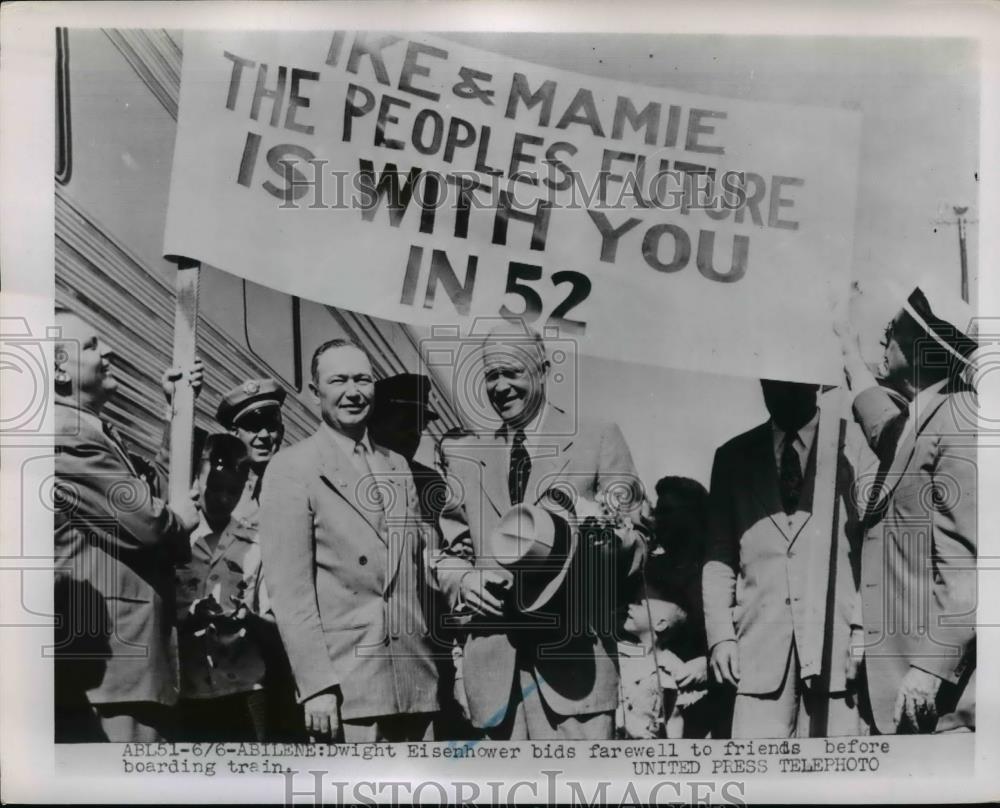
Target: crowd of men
[522, 587]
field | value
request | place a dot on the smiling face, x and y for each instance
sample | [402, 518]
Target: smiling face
[344, 387]
[261, 433]
[515, 381]
[85, 359]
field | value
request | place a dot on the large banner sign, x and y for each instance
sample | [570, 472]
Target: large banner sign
[414, 179]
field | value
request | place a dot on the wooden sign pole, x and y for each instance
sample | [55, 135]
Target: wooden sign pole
[826, 512]
[182, 406]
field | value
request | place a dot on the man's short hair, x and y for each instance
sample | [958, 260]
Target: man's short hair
[524, 340]
[691, 492]
[329, 345]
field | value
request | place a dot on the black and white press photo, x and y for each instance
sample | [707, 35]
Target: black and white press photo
[518, 412]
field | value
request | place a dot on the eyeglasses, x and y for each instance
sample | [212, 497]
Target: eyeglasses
[256, 422]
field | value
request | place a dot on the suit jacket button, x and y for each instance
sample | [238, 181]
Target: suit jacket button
[788, 602]
[363, 560]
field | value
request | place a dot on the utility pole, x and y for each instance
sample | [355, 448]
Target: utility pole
[962, 221]
[960, 214]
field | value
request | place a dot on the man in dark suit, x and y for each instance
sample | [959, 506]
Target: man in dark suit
[768, 616]
[919, 559]
[529, 683]
[400, 414]
[343, 552]
[115, 547]
[401, 411]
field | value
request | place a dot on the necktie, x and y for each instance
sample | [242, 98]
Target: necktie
[370, 483]
[791, 475]
[520, 468]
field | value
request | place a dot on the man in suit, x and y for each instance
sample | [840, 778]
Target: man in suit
[115, 547]
[400, 414]
[561, 683]
[767, 570]
[401, 411]
[343, 556]
[919, 559]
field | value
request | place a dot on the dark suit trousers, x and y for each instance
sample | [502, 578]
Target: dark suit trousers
[529, 718]
[118, 722]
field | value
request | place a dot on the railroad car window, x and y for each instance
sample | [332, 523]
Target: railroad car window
[64, 139]
[272, 330]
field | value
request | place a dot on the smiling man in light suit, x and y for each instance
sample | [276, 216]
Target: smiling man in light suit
[528, 683]
[343, 548]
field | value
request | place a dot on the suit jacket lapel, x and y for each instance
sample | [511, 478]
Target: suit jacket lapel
[548, 458]
[764, 477]
[399, 526]
[495, 460]
[907, 445]
[343, 477]
[803, 514]
[764, 473]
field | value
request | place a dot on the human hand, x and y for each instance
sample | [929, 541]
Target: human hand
[693, 674]
[916, 705]
[479, 590]
[725, 662]
[461, 698]
[322, 713]
[855, 653]
[205, 609]
[240, 608]
[170, 377]
[187, 513]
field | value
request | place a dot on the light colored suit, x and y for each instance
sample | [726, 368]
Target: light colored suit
[766, 574]
[580, 676]
[345, 577]
[919, 558]
[115, 549]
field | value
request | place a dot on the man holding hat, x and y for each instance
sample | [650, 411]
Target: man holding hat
[918, 561]
[524, 680]
[252, 412]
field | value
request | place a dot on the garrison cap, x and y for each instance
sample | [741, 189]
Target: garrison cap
[249, 396]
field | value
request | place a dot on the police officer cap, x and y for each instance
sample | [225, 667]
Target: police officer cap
[405, 389]
[249, 396]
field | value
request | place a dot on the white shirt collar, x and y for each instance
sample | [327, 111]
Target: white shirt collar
[204, 529]
[531, 429]
[804, 439]
[348, 444]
